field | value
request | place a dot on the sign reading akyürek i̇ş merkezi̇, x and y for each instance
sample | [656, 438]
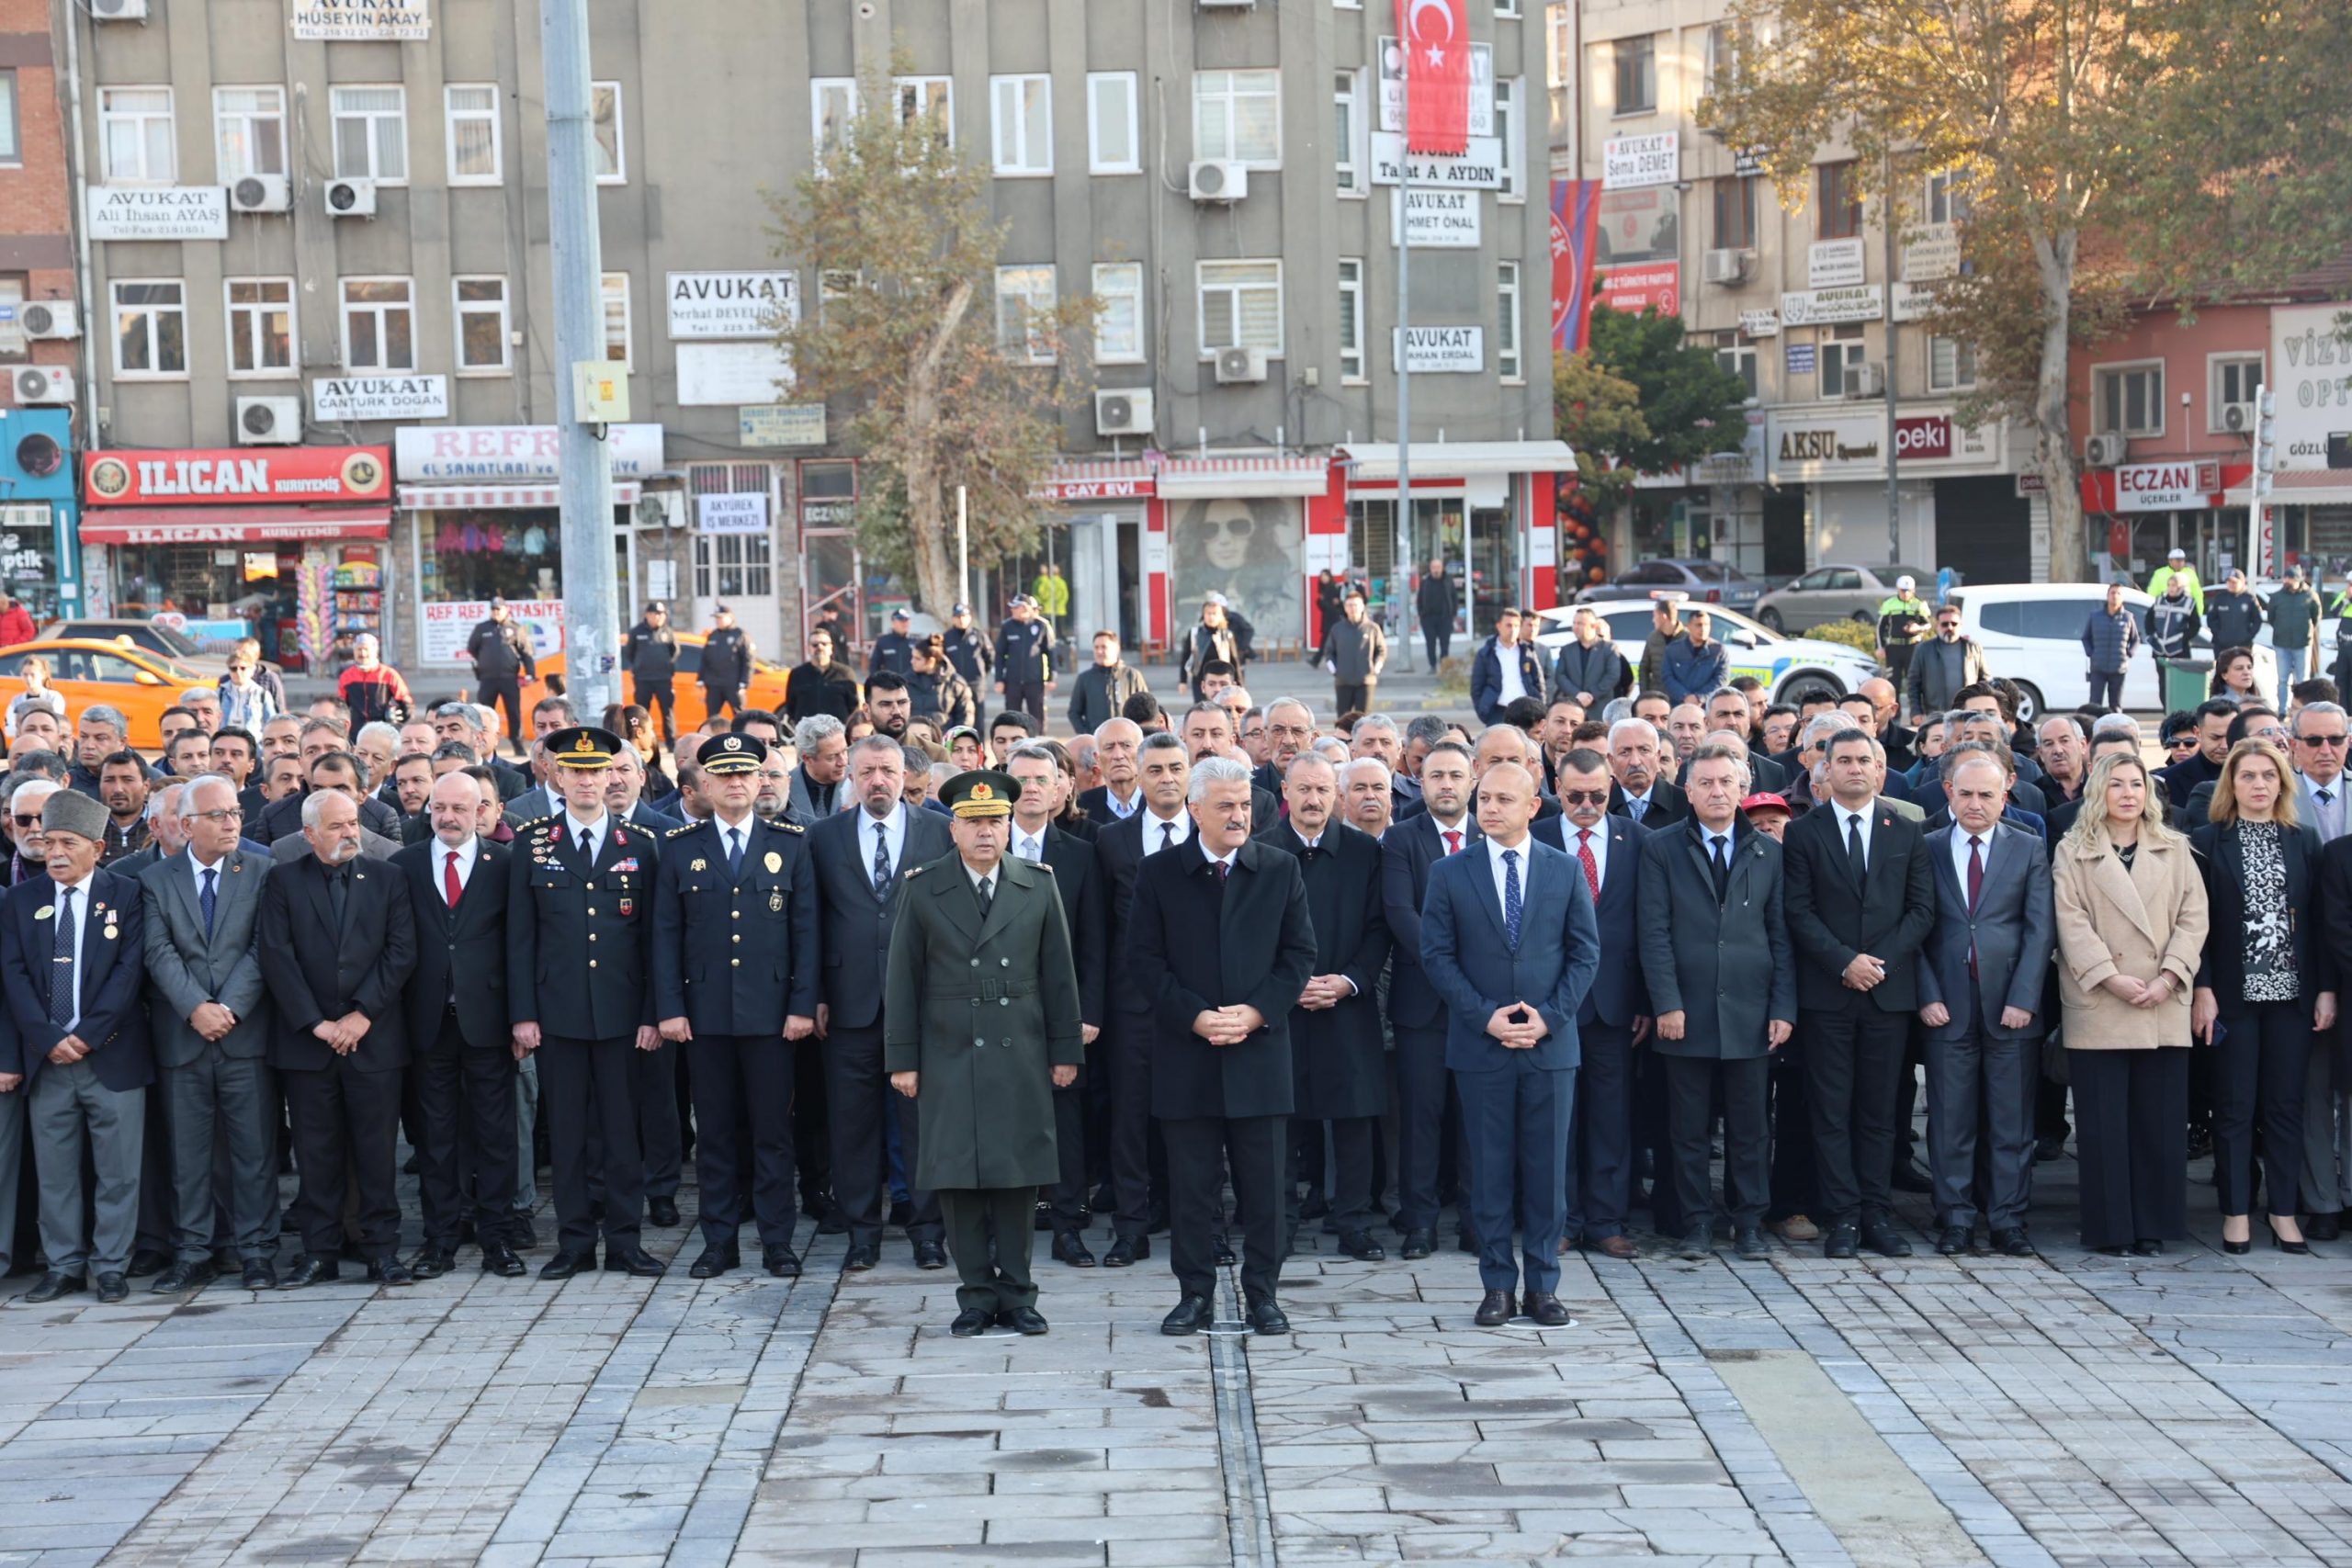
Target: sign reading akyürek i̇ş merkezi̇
[361, 20]
[296, 474]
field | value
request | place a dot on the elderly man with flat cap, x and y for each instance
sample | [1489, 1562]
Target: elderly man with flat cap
[982, 1023]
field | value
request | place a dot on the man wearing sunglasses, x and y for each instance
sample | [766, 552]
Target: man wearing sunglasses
[1943, 665]
[2319, 753]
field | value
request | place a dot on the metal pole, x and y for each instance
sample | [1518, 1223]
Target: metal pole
[1404, 296]
[1893, 495]
[963, 546]
[591, 589]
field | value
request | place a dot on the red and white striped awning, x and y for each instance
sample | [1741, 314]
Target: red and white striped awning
[499, 498]
[1213, 477]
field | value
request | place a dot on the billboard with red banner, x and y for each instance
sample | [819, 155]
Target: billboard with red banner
[1648, 286]
[240, 475]
[1576, 218]
[1437, 45]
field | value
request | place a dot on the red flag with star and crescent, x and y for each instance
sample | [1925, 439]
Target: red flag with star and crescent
[1437, 41]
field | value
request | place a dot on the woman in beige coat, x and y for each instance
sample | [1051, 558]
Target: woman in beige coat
[2131, 920]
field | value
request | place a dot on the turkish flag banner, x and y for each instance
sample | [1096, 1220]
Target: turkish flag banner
[1436, 35]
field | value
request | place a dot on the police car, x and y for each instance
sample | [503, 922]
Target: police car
[1790, 667]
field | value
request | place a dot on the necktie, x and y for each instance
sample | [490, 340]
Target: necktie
[1640, 808]
[1720, 856]
[1854, 845]
[1453, 837]
[451, 888]
[1223, 870]
[210, 899]
[61, 992]
[1591, 866]
[986, 888]
[1975, 891]
[1167, 834]
[1510, 897]
[2326, 812]
[881, 860]
[338, 893]
[734, 851]
[1032, 851]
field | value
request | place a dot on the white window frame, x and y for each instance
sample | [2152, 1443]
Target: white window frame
[141, 122]
[1510, 322]
[337, 114]
[1618, 108]
[245, 319]
[1507, 7]
[382, 312]
[1119, 281]
[1352, 314]
[613, 294]
[1351, 160]
[1739, 358]
[2099, 377]
[2216, 366]
[1944, 197]
[1012, 136]
[1236, 289]
[1211, 108]
[1096, 163]
[460, 308]
[619, 175]
[1847, 343]
[1011, 292]
[843, 90]
[229, 162]
[154, 311]
[1962, 357]
[917, 94]
[1511, 130]
[451, 116]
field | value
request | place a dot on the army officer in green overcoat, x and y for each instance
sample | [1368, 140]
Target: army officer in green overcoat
[980, 1025]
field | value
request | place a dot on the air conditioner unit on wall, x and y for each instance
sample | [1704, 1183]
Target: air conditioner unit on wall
[270, 422]
[2241, 417]
[1219, 180]
[42, 384]
[1122, 412]
[1729, 268]
[1238, 366]
[1226, 5]
[351, 198]
[2103, 451]
[261, 192]
[119, 10]
[1866, 382]
[50, 318]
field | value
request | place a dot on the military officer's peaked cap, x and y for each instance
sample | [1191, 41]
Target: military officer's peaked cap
[733, 754]
[983, 791]
[583, 746]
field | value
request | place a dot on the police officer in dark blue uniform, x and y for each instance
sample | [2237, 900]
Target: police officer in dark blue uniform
[735, 973]
[1025, 666]
[579, 988]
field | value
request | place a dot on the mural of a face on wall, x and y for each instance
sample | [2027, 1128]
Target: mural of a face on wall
[1247, 550]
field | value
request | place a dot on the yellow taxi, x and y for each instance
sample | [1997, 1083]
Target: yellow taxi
[766, 689]
[86, 671]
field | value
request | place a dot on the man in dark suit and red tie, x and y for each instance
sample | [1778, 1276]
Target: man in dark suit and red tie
[1615, 1018]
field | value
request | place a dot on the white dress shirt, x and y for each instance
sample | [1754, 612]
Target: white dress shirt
[468, 854]
[1122, 808]
[1648, 798]
[1507, 658]
[1960, 837]
[1225, 860]
[1152, 836]
[742, 830]
[1845, 814]
[1029, 847]
[196, 868]
[2327, 816]
[894, 834]
[1464, 825]
[589, 836]
[81, 891]
[1597, 840]
[1525, 851]
[983, 882]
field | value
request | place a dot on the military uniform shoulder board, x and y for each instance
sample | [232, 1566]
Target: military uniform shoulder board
[535, 823]
[688, 829]
[787, 826]
[1041, 865]
[913, 872]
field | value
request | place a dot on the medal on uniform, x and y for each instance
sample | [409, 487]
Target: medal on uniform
[774, 862]
[46, 912]
[698, 866]
[775, 903]
[628, 907]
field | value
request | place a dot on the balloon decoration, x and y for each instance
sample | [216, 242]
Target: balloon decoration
[1584, 545]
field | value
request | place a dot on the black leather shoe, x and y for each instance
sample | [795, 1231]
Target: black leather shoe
[781, 1262]
[147, 1261]
[1953, 1240]
[930, 1254]
[1838, 1242]
[1886, 1240]
[112, 1287]
[970, 1321]
[1041, 1217]
[1697, 1242]
[714, 1261]
[389, 1271]
[183, 1277]
[1265, 1316]
[1910, 1178]
[1418, 1245]
[661, 1213]
[831, 1221]
[1494, 1310]
[900, 1213]
[1191, 1315]
[1225, 1258]
[1023, 1320]
[1750, 1243]
[432, 1262]
[1546, 1309]
[1360, 1246]
[1070, 1248]
[2323, 1228]
[309, 1269]
[860, 1257]
[258, 1275]
[1469, 1243]
[500, 1261]
[2049, 1148]
[521, 1233]
[564, 1264]
[51, 1285]
[2010, 1241]
[1125, 1249]
[633, 1260]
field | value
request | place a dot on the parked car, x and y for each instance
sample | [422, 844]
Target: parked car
[2032, 634]
[1711, 583]
[1837, 593]
[1791, 668]
[767, 689]
[88, 670]
[133, 631]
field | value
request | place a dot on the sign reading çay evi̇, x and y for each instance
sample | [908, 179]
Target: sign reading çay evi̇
[159, 212]
[225, 478]
[711, 305]
[379, 397]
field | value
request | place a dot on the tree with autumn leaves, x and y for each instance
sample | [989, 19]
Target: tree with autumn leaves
[1638, 398]
[902, 331]
[2107, 152]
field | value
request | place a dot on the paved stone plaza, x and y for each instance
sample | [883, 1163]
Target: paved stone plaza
[2079, 1409]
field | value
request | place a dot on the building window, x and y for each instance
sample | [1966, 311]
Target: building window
[1513, 133]
[1841, 355]
[1840, 203]
[1507, 321]
[12, 142]
[833, 105]
[473, 134]
[1736, 213]
[1237, 115]
[1022, 124]
[1111, 136]
[260, 325]
[13, 347]
[1351, 319]
[1118, 321]
[249, 131]
[1727, 47]
[150, 327]
[1948, 200]
[1506, 7]
[929, 100]
[1024, 308]
[379, 323]
[2237, 378]
[1558, 32]
[370, 134]
[1241, 305]
[617, 324]
[1737, 357]
[135, 135]
[605, 125]
[2128, 400]
[1952, 364]
[481, 325]
[1347, 130]
[1636, 75]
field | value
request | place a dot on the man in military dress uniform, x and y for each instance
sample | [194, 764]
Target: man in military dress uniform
[582, 882]
[735, 968]
[982, 1024]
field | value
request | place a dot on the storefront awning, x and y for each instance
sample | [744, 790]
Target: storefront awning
[2302, 487]
[1460, 459]
[1213, 477]
[499, 498]
[231, 525]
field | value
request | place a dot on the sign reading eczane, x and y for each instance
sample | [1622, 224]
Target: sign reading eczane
[708, 306]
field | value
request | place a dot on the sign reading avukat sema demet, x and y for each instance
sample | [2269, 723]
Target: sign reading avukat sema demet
[288, 474]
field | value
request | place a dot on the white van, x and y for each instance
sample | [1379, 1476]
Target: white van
[2032, 633]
